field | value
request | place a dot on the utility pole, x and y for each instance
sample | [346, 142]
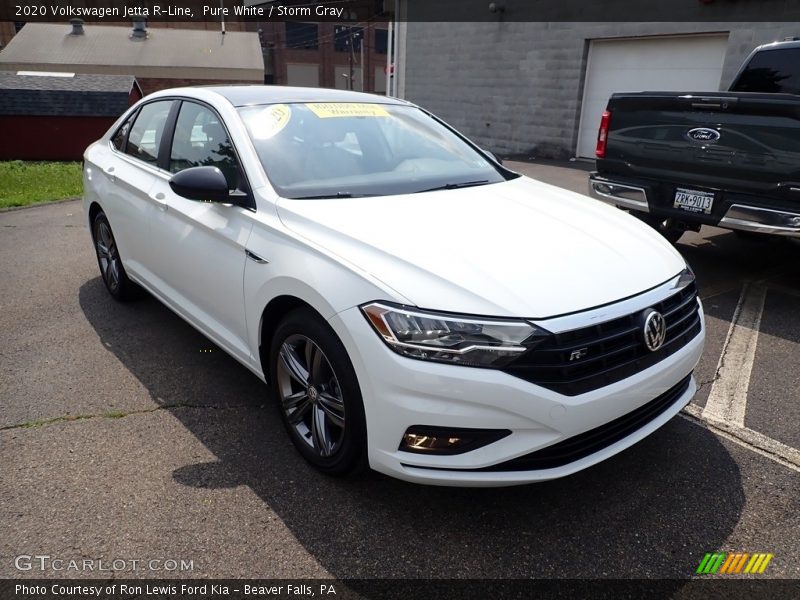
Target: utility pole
[353, 38]
[352, 57]
[389, 62]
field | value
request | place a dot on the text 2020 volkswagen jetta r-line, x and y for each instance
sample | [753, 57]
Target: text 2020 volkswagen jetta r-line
[412, 304]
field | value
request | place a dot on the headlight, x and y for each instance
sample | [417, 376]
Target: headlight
[476, 342]
[685, 278]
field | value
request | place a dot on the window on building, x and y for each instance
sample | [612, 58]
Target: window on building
[144, 138]
[381, 41]
[200, 140]
[302, 35]
[345, 37]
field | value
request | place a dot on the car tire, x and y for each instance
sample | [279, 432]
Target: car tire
[666, 227]
[317, 392]
[108, 259]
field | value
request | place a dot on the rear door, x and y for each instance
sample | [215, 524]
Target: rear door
[126, 172]
[199, 247]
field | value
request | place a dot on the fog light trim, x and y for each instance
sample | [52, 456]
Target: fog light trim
[427, 439]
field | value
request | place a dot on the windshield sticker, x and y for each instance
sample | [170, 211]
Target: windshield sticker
[270, 121]
[326, 110]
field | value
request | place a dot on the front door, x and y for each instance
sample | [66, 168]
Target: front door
[198, 249]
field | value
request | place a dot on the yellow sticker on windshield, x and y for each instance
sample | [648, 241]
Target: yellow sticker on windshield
[326, 110]
[270, 121]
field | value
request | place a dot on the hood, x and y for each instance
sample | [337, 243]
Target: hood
[518, 248]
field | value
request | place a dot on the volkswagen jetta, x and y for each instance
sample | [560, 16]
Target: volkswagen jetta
[413, 305]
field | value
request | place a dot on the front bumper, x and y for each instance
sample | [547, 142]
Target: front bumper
[399, 392]
[738, 214]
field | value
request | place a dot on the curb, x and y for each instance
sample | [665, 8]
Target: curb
[40, 204]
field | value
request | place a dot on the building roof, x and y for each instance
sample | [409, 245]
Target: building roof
[166, 53]
[78, 95]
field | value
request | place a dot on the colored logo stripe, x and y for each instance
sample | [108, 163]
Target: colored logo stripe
[724, 563]
[758, 563]
[711, 563]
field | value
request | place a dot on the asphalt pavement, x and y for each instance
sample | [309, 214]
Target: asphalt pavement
[126, 435]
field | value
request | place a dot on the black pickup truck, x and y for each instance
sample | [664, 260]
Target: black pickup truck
[679, 160]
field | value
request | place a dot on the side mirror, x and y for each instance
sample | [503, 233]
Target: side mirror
[202, 183]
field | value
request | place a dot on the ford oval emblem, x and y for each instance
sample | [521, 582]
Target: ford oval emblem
[703, 134]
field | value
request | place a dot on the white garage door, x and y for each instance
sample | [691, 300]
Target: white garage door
[686, 63]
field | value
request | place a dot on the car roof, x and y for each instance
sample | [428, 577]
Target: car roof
[249, 95]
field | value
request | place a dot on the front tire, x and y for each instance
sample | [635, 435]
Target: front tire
[318, 394]
[108, 259]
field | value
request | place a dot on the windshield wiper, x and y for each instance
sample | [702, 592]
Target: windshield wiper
[454, 186]
[336, 195]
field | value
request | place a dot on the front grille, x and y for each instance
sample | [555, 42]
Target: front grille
[594, 440]
[612, 351]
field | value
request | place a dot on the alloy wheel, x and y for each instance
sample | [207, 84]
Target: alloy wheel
[310, 395]
[108, 255]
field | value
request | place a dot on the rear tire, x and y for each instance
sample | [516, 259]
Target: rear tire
[108, 259]
[318, 394]
[666, 227]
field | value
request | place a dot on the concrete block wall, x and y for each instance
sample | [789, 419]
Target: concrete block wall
[516, 88]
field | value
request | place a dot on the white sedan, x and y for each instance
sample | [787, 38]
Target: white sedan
[413, 305]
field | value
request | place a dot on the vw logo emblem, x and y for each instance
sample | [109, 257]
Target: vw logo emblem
[654, 330]
[703, 134]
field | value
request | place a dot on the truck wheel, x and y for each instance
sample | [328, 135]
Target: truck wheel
[666, 227]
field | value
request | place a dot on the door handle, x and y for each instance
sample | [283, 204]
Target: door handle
[255, 257]
[110, 173]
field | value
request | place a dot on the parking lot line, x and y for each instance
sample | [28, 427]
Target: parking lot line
[727, 400]
[752, 440]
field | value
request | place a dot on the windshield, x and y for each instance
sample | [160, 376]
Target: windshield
[322, 150]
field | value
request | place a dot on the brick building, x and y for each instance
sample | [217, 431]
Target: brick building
[349, 55]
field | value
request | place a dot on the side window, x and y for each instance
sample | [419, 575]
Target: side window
[145, 136]
[201, 141]
[771, 71]
[119, 138]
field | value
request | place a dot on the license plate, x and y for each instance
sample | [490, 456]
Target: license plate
[693, 200]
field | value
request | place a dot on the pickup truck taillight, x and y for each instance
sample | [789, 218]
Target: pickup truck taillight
[602, 135]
